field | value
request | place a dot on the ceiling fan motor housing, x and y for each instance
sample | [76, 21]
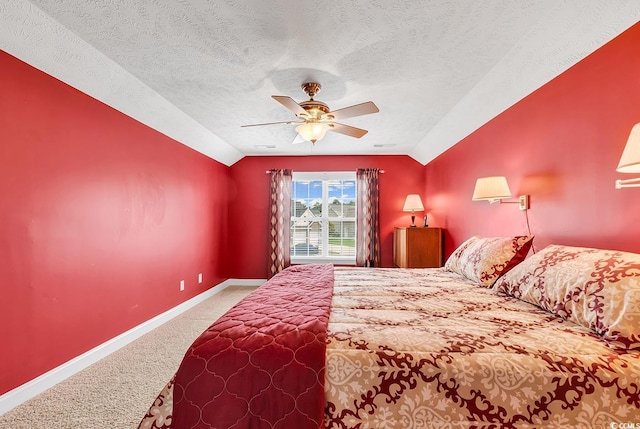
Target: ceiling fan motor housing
[315, 109]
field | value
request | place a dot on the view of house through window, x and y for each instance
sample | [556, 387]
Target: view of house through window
[323, 217]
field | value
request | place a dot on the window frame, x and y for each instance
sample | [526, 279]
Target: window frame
[326, 176]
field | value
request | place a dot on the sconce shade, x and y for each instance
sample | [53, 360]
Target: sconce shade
[413, 203]
[312, 131]
[630, 159]
[491, 188]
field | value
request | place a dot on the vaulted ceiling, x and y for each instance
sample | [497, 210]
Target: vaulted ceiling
[196, 70]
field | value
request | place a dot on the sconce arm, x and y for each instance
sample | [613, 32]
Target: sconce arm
[628, 183]
[523, 202]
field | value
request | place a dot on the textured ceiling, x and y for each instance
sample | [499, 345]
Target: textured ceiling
[197, 70]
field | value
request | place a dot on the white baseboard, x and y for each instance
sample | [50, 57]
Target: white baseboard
[32, 388]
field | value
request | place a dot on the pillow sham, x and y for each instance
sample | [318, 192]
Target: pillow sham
[484, 259]
[598, 289]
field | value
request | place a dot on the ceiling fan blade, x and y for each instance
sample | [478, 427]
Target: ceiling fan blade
[289, 103]
[298, 139]
[271, 123]
[355, 110]
[347, 130]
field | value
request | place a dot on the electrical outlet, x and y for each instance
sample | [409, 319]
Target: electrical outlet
[200, 278]
[524, 202]
[181, 285]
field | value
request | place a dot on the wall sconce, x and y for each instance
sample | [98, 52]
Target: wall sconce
[495, 189]
[630, 159]
[412, 204]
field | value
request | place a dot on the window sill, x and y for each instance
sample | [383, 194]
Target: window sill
[312, 260]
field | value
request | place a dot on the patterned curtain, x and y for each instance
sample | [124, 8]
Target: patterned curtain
[280, 221]
[368, 230]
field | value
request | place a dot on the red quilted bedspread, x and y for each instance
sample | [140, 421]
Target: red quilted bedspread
[262, 364]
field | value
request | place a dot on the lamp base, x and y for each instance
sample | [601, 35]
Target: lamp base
[413, 221]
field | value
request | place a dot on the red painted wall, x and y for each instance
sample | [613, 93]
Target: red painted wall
[249, 196]
[561, 145]
[100, 218]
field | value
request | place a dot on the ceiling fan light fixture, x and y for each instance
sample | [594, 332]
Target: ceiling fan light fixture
[314, 118]
[312, 131]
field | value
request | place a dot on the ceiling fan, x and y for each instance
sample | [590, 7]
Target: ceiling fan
[315, 118]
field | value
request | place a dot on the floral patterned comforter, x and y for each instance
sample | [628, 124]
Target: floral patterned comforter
[425, 348]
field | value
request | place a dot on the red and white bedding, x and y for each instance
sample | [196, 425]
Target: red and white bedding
[429, 349]
[405, 349]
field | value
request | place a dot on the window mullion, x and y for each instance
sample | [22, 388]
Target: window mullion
[325, 216]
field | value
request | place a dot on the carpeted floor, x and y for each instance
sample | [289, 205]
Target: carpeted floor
[116, 392]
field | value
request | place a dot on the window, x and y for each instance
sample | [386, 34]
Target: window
[323, 217]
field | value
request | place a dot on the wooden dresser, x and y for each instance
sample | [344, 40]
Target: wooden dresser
[417, 247]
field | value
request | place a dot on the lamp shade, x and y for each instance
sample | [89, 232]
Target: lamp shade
[312, 131]
[630, 159]
[413, 203]
[491, 188]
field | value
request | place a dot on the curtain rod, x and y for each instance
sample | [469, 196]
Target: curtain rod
[269, 171]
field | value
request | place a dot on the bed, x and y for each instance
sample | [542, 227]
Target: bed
[490, 340]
